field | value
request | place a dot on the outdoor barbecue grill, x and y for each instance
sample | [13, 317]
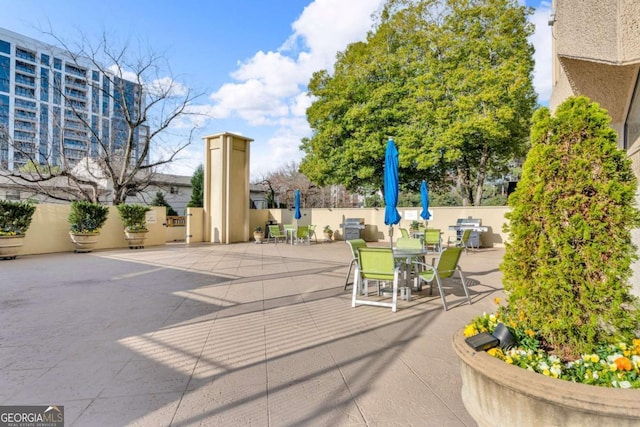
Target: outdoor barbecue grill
[353, 228]
[473, 224]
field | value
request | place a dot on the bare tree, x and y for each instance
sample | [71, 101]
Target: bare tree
[146, 109]
[282, 183]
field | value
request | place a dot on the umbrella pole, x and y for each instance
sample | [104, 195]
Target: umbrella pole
[391, 236]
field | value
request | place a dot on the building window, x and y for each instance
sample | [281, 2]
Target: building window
[44, 84]
[57, 63]
[27, 93]
[5, 73]
[25, 54]
[12, 195]
[632, 124]
[95, 76]
[5, 47]
[44, 132]
[4, 110]
[44, 59]
[57, 87]
[106, 90]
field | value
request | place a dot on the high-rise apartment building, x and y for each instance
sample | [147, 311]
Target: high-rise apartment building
[53, 105]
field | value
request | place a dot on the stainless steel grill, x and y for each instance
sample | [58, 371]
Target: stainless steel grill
[474, 224]
[353, 228]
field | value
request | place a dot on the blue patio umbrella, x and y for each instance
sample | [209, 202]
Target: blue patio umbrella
[391, 184]
[424, 197]
[296, 205]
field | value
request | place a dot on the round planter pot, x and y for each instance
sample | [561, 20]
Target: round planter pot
[258, 236]
[10, 246]
[135, 239]
[498, 394]
[84, 242]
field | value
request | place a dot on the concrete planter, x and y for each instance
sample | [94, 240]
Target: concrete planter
[84, 242]
[10, 246]
[135, 238]
[258, 236]
[498, 394]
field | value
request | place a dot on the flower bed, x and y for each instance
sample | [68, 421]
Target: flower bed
[613, 365]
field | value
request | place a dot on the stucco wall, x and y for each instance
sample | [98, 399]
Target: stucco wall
[49, 230]
[375, 228]
[598, 30]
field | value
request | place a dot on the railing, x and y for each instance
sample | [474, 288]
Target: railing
[176, 221]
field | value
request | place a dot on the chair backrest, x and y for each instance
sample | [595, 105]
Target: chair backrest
[274, 230]
[432, 236]
[355, 244]
[465, 236]
[408, 243]
[404, 232]
[448, 262]
[312, 230]
[288, 226]
[302, 232]
[376, 263]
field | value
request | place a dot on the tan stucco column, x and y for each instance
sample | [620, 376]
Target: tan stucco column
[226, 188]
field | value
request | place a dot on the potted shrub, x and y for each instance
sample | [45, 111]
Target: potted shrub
[258, 234]
[566, 275]
[133, 218]
[85, 221]
[15, 218]
[328, 233]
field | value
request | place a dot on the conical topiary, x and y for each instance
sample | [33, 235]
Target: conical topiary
[567, 263]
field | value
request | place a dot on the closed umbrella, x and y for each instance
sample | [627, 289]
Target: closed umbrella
[424, 196]
[391, 215]
[296, 205]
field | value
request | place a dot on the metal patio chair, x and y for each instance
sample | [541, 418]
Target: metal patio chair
[446, 266]
[275, 234]
[354, 244]
[377, 264]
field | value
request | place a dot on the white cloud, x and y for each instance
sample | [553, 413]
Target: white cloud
[166, 86]
[269, 89]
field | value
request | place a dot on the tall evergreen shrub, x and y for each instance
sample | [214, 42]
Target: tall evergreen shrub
[567, 263]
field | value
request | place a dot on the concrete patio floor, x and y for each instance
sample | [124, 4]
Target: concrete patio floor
[227, 335]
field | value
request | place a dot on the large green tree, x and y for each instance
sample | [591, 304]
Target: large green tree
[197, 188]
[449, 80]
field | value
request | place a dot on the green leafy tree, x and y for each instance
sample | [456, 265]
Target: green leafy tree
[159, 200]
[197, 188]
[567, 262]
[449, 80]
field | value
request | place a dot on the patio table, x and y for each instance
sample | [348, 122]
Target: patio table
[406, 255]
[289, 232]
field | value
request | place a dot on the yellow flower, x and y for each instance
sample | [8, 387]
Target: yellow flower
[594, 358]
[495, 352]
[546, 372]
[470, 330]
[509, 360]
[529, 332]
[497, 300]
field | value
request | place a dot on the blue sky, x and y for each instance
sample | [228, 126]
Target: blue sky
[250, 58]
